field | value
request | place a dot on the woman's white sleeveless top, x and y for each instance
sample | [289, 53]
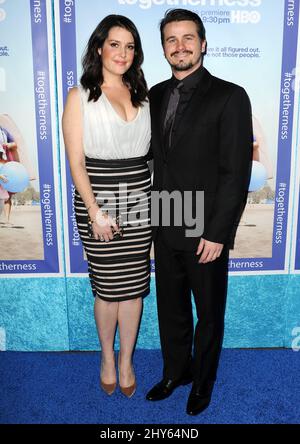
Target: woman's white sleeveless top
[107, 136]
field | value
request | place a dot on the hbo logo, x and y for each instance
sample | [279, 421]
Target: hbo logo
[245, 17]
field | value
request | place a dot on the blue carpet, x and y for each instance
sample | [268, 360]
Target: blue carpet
[253, 387]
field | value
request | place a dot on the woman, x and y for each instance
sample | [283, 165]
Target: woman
[8, 152]
[4, 196]
[106, 126]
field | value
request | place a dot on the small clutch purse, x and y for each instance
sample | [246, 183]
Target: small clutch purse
[119, 232]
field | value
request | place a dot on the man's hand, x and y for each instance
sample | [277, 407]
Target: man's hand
[209, 251]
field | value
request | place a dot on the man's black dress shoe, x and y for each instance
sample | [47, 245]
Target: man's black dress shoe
[198, 401]
[166, 387]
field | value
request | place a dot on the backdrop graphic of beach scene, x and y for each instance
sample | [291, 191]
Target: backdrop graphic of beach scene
[28, 233]
[250, 42]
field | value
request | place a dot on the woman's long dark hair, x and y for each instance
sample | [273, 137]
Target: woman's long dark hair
[92, 77]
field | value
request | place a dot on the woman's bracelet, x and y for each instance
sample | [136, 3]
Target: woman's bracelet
[99, 214]
[93, 203]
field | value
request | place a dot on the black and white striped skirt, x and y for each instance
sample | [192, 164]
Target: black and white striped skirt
[119, 269]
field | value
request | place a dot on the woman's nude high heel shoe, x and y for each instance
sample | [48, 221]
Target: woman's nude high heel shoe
[130, 390]
[108, 388]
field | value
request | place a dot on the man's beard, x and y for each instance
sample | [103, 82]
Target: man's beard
[181, 66]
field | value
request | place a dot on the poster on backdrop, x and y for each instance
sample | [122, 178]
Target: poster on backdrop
[239, 50]
[295, 250]
[28, 163]
[295, 266]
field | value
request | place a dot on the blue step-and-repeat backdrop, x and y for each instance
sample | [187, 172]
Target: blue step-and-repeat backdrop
[45, 299]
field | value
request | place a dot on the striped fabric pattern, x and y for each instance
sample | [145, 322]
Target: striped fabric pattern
[120, 269]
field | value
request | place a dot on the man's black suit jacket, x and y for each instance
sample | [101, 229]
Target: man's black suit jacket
[211, 152]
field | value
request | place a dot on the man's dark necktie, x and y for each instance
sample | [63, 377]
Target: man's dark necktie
[170, 115]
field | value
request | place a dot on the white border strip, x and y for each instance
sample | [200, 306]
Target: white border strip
[55, 153]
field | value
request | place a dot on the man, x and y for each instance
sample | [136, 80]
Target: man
[201, 141]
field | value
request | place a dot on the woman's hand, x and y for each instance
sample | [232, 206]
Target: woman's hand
[10, 145]
[102, 225]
